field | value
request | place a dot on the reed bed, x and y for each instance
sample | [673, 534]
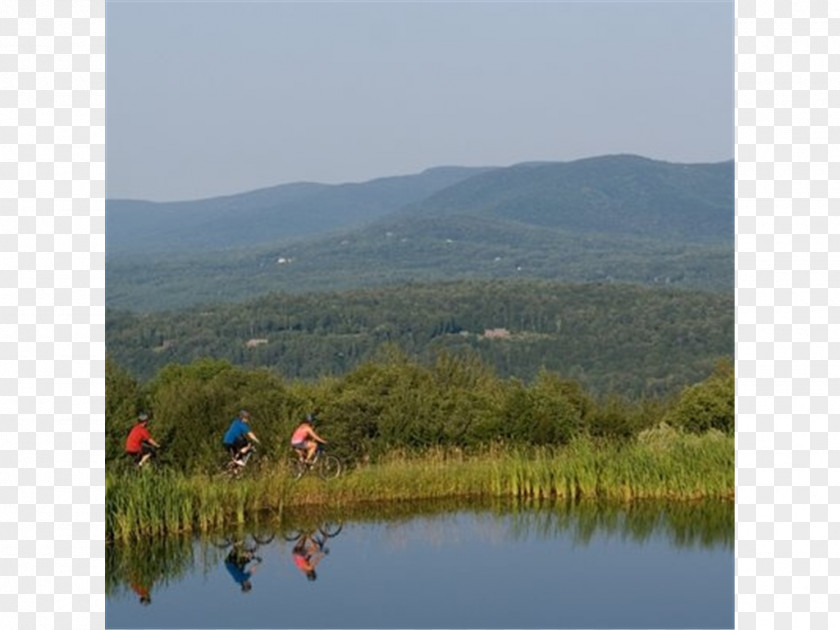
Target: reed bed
[660, 464]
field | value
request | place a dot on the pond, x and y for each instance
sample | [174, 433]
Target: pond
[646, 565]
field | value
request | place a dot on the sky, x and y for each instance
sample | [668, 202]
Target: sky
[210, 98]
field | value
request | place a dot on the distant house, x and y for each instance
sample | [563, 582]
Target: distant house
[165, 345]
[496, 333]
[253, 343]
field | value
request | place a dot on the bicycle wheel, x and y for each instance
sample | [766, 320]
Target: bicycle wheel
[221, 542]
[329, 466]
[262, 537]
[293, 535]
[330, 529]
[242, 544]
[297, 467]
[231, 469]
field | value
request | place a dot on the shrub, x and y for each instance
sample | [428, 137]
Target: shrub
[707, 405]
[123, 401]
[552, 411]
[194, 405]
[391, 404]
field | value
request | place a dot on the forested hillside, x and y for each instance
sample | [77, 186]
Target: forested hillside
[609, 337]
[376, 258]
[266, 215]
[609, 219]
[610, 195]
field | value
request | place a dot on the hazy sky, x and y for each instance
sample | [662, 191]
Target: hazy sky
[212, 98]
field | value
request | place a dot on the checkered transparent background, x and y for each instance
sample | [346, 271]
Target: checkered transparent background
[52, 168]
[788, 57]
[52, 283]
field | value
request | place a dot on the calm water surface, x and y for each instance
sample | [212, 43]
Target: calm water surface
[551, 567]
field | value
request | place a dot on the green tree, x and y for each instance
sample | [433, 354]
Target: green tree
[123, 401]
[195, 403]
[709, 404]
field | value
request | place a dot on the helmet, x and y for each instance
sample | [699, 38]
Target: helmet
[310, 418]
[143, 417]
[243, 413]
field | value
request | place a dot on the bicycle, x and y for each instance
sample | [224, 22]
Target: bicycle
[329, 529]
[241, 559]
[243, 543]
[136, 457]
[324, 465]
[233, 468]
[318, 535]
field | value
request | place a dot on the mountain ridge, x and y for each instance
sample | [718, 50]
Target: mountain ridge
[621, 218]
[634, 192]
[279, 212]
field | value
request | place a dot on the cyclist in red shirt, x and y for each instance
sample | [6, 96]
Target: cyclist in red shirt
[142, 592]
[139, 443]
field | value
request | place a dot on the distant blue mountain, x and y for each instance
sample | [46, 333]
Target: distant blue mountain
[266, 215]
[617, 194]
[620, 218]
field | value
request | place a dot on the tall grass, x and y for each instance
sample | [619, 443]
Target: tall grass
[661, 464]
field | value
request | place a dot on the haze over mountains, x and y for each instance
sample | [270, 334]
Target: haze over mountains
[617, 218]
[265, 215]
[625, 194]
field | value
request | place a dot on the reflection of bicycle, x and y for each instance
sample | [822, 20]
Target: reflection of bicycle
[324, 465]
[328, 529]
[310, 547]
[248, 543]
[241, 560]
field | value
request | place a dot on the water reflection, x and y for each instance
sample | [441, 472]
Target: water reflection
[142, 567]
[139, 586]
[686, 524]
[310, 547]
[242, 561]
[270, 559]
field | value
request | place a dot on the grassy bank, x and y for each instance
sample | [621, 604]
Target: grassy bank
[661, 464]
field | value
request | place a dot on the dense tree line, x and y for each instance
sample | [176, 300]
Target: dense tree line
[382, 258]
[392, 402]
[611, 338]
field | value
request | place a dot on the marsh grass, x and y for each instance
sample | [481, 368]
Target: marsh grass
[660, 464]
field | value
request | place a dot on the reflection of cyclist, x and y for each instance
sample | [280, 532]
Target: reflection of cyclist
[237, 562]
[304, 439]
[237, 437]
[307, 553]
[142, 591]
[139, 443]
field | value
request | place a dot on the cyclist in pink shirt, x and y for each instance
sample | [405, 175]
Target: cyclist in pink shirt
[304, 439]
[307, 553]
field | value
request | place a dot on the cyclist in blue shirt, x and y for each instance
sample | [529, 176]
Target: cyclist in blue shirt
[237, 563]
[239, 436]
